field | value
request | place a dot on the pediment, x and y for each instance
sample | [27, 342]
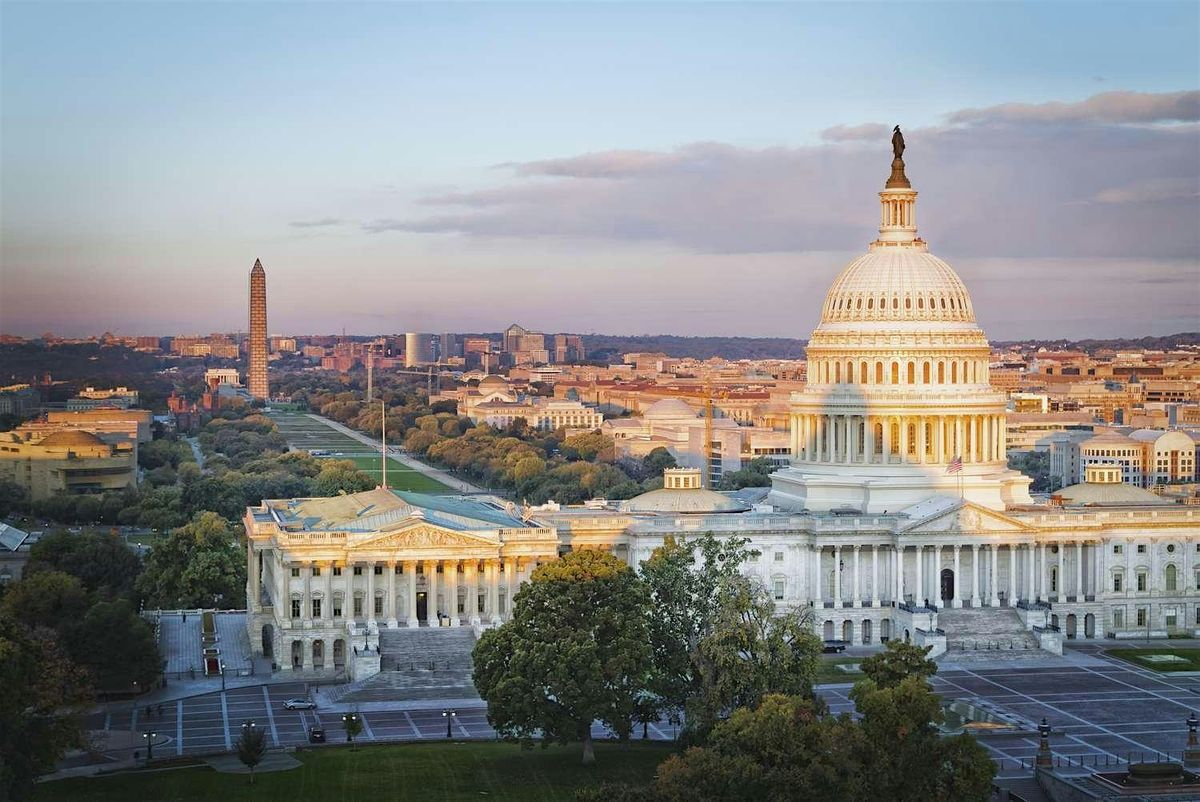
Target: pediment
[966, 517]
[418, 536]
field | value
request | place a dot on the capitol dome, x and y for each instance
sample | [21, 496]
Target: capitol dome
[683, 493]
[898, 405]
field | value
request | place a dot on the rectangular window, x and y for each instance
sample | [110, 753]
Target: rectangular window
[337, 570]
[1141, 617]
[295, 608]
[1141, 581]
[378, 605]
[399, 569]
[481, 604]
[1118, 618]
[1141, 548]
[1117, 583]
[316, 570]
[358, 606]
[1118, 548]
[378, 570]
[1198, 580]
[295, 571]
[1171, 617]
[316, 608]
[358, 570]
[778, 590]
[337, 608]
[779, 556]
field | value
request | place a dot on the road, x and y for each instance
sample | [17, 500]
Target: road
[401, 457]
[195, 444]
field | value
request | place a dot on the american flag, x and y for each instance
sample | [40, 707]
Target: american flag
[955, 465]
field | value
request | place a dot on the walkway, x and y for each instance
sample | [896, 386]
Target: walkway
[195, 444]
[401, 457]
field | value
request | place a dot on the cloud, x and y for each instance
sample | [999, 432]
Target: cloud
[322, 223]
[1083, 187]
[874, 132]
[1106, 107]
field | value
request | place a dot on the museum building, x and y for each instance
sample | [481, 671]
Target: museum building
[896, 518]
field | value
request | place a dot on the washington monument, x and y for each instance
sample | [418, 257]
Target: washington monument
[256, 375]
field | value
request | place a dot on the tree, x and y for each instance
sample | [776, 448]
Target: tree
[42, 707]
[13, 498]
[897, 662]
[352, 722]
[340, 476]
[657, 461]
[686, 580]
[115, 645]
[46, 599]
[251, 747]
[577, 650]
[589, 446]
[201, 564]
[102, 562]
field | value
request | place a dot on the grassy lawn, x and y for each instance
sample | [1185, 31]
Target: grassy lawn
[1160, 659]
[828, 672]
[458, 771]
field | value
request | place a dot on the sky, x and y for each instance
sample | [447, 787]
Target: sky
[697, 169]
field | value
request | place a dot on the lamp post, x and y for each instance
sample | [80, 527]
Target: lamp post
[1043, 754]
[1191, 755]
[149, 735]
[449, 715]
[248, 726]
[350, 722]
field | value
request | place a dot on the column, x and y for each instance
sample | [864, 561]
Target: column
[993, 585]
[493, 580]
[957, 600]
[987, 439]
[819, 592]
[898, 573]
[958, 438]
[450, 571]
[1030, 592]
[1061, 590]
[834, 439]
[857, 600]
[1079, 570]
[391, 595]
[919, 592]
[903, 440]
[869, 437]
[370, 602]
[306, 602]
[254, 591]
[306, 658]
[1012, 574]
[327, 604]
[887, 440]
[431, 583]
[974, 574]
[1042, 574]
[410, 572]
[510, 579]
[875, 575]
[819, 437]
[471, 580]
[837, 577]
[922, 442]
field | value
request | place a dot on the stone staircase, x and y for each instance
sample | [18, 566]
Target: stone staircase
[986, 633]
[418, 663]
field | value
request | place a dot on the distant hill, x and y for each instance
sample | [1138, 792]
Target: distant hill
[1164, 343]
[602, 346]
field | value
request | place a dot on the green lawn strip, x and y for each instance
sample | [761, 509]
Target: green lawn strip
[1191, 658]
[457, 771]
[828, 672]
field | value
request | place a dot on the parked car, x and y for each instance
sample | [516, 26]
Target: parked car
[316, 735]
[299, 704]
[835, 646]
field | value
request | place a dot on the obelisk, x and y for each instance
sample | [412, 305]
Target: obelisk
[256, 375]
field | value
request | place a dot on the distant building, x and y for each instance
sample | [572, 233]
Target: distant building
[418, 349]
[449, 347]
[101, 420]
[569, 348]
[116, 398]
[66, 461]
[19, 399]
[256, 375]
[222, 376]
[495, 403]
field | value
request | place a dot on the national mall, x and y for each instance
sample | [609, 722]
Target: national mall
[897, 517]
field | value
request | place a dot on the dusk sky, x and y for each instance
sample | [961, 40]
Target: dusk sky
[627, 169]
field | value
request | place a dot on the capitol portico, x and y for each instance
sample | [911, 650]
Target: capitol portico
[897, 517]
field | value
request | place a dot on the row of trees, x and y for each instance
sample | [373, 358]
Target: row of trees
[691, 639]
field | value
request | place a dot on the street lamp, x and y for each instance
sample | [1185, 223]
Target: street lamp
[149, 735]
[1043, 753]
[1191, 755]
[248, 726]
[347, 720]
[1192, 724]
[449, 715]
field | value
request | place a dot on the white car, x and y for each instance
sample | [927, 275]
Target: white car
[299, 704]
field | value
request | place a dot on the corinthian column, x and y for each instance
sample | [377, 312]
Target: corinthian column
[410, 572]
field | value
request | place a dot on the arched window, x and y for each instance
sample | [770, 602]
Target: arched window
[870, 303]
[1172, 577]
[954, 373]
[895, 373]
[925, 373]
[941, 372]
[895, 303]
[878, 438]
[862, 373]
[912, 373]
[908, 303]
[920, 303]
[912, 438]
[879, 373]
[837, 368]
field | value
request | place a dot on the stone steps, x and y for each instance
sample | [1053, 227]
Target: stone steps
[986, 633]
[426, 648]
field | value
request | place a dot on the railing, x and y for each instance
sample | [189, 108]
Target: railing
[1033, 605]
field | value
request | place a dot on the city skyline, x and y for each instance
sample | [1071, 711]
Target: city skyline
[714, 166]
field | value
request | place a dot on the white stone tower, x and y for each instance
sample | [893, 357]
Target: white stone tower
[898, 386]
[256, 374]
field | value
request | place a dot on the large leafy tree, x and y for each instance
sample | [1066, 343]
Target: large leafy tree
[115, 645]
[46, 599]
[201, 564]
[898, 662]
[41, 708]
[102, 562]
[576, 651]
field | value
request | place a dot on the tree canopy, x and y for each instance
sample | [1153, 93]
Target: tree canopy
[201, 564]
[577, 650]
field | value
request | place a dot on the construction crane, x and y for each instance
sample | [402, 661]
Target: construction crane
[708, 433]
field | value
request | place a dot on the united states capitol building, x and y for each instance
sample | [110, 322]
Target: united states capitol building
[896, 518]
